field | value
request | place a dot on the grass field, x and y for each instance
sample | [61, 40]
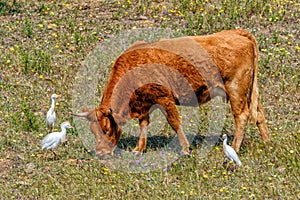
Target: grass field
[43, 45]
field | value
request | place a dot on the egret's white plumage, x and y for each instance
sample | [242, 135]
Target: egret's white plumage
[52, 140]
[51, 115]
[230, 152]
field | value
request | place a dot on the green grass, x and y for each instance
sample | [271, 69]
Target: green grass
[43, 45]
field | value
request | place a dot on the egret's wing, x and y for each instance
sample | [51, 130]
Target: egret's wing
[49, 140]
[48, 145]
[238, 162]
[48, 118]
[51, 117]
[48, 121]
[49, 113]
[54, 144]
[46, 138]
[233, 155]
[46, 142]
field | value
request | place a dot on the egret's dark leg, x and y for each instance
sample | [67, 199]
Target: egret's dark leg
[53, 154]
[51, 128]
[228, 163]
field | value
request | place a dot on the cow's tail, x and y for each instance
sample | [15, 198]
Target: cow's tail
[253, 90]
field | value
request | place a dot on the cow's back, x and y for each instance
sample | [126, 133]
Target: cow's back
[188, 66]
[230, 49]
[179, 64]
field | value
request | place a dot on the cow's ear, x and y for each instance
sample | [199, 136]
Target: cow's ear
[89, 114]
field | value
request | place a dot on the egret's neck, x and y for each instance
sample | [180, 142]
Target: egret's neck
[52, 104]
[225, 141]
[63, 130]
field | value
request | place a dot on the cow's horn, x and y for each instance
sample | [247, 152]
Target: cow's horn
[83, 114]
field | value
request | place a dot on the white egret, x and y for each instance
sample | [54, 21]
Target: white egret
[51, 115]
[230, 152]
[52, 140]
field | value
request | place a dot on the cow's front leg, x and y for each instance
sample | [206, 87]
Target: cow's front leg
[141, 146]
[174, 120]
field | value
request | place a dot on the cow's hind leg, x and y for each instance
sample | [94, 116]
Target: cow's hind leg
[261, 123]
[241, 122]
[141, 146]
[240, 112]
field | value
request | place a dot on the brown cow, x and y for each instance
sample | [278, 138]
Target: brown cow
[183, 71]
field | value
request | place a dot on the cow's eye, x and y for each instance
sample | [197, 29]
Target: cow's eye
[105, 131]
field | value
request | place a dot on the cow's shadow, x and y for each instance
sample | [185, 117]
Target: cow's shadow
[160, 141]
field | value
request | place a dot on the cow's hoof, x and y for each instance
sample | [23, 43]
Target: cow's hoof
[138, 149]
[136, 153]
[186, 152]
[104, 156]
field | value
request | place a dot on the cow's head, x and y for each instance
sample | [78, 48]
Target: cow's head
[104, 127]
